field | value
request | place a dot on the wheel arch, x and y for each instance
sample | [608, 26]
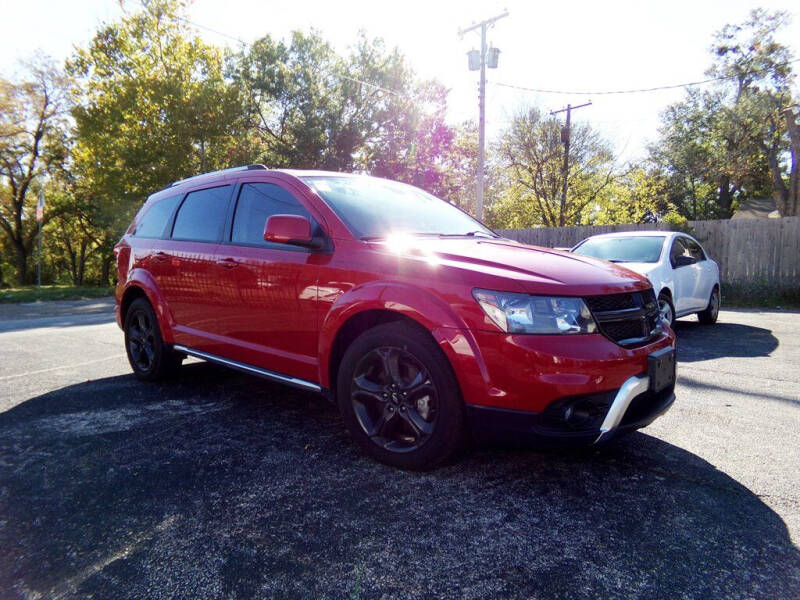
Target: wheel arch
[365, 307]
[142, 285]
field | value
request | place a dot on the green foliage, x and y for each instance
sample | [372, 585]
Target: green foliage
[33, 148]
[151, 106]
[724, 145]
[531, 152]
[53, 292]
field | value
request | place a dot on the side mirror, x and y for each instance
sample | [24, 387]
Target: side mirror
[290, 229]
[684, 261]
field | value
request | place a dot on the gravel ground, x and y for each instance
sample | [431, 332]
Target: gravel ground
[219, 485]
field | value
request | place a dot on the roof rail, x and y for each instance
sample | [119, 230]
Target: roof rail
[231, 170]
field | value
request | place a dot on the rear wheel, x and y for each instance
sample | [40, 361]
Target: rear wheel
[710, 314]
[149, 357]
[399, 397]
[667, 309]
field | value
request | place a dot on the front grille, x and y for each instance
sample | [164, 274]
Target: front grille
[629, 319]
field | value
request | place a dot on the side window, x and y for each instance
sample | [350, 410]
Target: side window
[257, 202]
[201, 217]
[678, 249]
[695, 250]
[155, 219]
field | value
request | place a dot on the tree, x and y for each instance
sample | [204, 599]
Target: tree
[308, 107]
[32, 145]
[151, 106]
[724, 145]
[532, 155]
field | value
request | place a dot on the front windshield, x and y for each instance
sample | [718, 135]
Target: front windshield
[623, 249]
[375, 208]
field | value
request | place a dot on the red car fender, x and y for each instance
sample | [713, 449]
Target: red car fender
[140, 278]
[431, 312]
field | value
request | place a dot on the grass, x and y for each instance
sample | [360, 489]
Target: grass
[759, 296]
[31, 293]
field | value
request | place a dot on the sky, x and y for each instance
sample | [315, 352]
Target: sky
[582, 45]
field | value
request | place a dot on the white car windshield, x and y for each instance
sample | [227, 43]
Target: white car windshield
[623, 249]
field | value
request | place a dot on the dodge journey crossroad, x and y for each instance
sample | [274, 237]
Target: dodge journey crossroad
[424, 327]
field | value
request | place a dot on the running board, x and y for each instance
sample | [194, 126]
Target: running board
[245, 368]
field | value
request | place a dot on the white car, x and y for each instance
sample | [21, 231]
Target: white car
[684, 278]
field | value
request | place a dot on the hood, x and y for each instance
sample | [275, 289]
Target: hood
[511, 266]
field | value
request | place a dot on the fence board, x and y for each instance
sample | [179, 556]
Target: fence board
[763, 251]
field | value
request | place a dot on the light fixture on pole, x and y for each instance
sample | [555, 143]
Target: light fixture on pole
[487, 57]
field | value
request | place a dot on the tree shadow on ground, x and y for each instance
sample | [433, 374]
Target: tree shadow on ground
[705, 342]
[221, 485]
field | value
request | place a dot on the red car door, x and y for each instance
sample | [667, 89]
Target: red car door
[187, 271]
[270, 288]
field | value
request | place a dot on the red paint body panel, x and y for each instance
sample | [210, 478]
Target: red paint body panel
[280, 308]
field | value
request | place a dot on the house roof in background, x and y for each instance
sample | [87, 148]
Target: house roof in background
[757, 208]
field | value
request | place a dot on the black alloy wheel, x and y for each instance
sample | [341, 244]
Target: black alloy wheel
[399, 397]
[394, 399]
[150, 358]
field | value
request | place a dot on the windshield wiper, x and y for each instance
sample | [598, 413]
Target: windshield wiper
[476, 233]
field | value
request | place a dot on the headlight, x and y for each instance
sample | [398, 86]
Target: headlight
[521, 313]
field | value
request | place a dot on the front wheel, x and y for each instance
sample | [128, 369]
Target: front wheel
[399, 397]
[667, 309]
[150, 358]
[710, 314]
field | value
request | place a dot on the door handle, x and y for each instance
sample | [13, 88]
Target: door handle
[160, 256]
[227, 263]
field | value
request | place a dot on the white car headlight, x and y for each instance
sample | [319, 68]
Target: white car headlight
[521, 313]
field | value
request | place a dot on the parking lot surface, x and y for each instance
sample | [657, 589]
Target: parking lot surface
[220, 485]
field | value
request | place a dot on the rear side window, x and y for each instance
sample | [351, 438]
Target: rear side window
[695, 249]
[201, 217]
[257, 202]
[155, 219]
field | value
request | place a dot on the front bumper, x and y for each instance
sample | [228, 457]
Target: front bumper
[603, 417]
[521, 386]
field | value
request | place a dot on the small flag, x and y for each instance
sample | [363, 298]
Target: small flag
[40, 207]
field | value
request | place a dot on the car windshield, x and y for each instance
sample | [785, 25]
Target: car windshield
[623, 249]
[375, 208]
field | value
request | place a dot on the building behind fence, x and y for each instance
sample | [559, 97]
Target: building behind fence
[749, 251]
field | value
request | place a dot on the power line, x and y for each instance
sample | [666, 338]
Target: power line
[629, 91]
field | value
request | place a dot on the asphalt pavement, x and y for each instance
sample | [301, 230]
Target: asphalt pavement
[221, 485]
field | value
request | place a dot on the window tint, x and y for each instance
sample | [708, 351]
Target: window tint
[154, 220]
[695, 250]
[375, 208]
[202, 215]
[257, 202]
[679, 248]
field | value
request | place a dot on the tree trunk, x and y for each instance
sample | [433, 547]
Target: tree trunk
[725, 198]
[792, 206]
[22, 264]
[106, 274]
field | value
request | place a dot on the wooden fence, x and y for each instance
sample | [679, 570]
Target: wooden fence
[762, 251]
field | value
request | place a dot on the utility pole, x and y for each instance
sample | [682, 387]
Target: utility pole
[483, 26]
[565, 138]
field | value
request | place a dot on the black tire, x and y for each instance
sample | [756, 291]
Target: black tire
[665, 306]
[395, 382]
[711, 312]
[150, 358]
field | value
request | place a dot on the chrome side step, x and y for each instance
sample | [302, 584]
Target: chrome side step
[233, 364]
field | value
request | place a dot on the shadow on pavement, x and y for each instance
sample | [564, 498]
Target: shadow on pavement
[221, 485]
[705, 342]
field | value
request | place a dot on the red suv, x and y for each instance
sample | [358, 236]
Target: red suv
[425, 327]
